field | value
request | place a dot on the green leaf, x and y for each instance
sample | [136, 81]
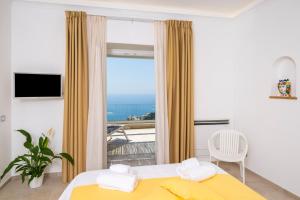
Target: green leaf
[25, 159]
[30, 179]
[18, 167]
[21, 168]
[47, 151]
[23, 176]
[57, 156]
[46, 141]
[26, 134]
[9, 167]
[35, 150]
[67, 157]
[41, 141]
[28, 145]
[45, 159]
[43, 167]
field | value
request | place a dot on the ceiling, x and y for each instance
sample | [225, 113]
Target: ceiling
[218, 8]
[221, 7]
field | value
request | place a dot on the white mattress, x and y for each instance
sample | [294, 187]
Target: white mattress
[143, 172]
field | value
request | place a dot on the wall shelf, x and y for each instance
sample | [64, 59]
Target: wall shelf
[280, 97]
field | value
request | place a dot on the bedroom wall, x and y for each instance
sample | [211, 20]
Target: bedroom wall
[272, 126]
[5, 128]
[38, 45]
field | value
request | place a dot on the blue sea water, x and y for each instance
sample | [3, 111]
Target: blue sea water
[120, 107]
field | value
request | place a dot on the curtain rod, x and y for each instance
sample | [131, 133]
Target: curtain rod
[127, 19]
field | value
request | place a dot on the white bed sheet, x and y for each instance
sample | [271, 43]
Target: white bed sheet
[143, 172]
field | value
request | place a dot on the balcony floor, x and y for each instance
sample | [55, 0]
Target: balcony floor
[139, 150]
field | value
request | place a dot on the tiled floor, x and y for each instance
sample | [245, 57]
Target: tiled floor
[260, 185]
[53, 187]
[15, 190]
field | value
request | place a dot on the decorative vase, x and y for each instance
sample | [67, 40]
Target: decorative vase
[284, 87]
[37, 182]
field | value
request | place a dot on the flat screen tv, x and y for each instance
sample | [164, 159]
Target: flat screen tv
[37, 85]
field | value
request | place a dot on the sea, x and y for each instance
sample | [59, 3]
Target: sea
[121, 106]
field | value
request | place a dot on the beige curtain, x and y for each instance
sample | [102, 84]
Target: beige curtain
[180, 89]
[161, 121]
[75, 94]
[96, 137]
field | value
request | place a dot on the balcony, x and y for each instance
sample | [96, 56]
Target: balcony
[132, 144]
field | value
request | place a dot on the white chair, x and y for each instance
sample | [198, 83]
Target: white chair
[229, 146]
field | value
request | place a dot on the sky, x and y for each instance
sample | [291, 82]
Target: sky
[134, 76]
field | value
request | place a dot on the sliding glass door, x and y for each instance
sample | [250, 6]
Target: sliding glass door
[130, 111]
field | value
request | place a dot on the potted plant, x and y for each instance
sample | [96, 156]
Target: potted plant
[32, 164]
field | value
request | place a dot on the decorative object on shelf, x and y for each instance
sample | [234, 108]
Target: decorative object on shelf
[284, 79]
[32, 164]
[284, 87]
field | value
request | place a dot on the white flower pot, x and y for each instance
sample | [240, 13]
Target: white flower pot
[37, 182]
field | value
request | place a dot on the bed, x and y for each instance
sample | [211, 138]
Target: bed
[153, 172]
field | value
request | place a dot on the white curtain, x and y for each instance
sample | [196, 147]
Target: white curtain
[162, 131]
[96, 135]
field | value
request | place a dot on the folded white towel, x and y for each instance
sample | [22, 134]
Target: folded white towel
[197, 173]
[117, 181]
[120, 168]
[189, 163]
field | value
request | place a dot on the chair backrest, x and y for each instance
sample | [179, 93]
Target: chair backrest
[229, 142]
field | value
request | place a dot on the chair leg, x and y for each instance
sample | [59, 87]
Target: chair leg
[242, 170]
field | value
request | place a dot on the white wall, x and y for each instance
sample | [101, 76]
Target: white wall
[38, 39]
[272, 126]
[213, 40]
[38, 45]
[5, 128]
[130, 32]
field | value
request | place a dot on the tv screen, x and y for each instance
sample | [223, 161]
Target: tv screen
[37, 85]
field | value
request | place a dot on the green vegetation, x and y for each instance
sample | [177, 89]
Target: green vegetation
[33, 163]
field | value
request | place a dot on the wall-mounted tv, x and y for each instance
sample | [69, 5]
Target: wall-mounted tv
[37, 85]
